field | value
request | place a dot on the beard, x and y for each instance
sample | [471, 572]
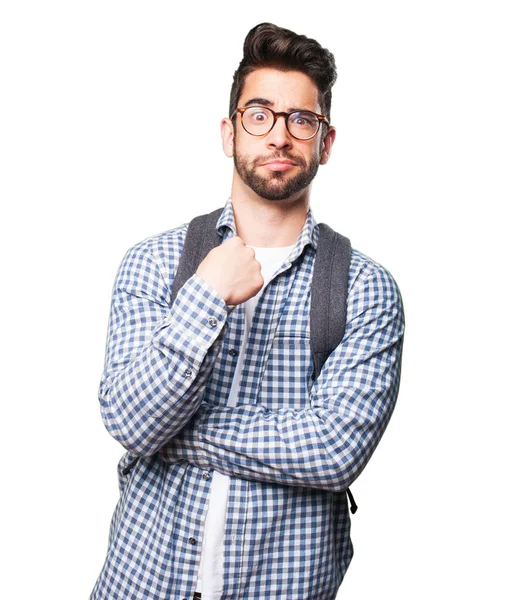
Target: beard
[278, 185]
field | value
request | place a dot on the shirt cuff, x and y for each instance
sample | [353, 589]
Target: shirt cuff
[197, 316]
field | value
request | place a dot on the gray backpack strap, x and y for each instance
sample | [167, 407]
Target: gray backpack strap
[201, 237]
[329, 300]
[329, 294]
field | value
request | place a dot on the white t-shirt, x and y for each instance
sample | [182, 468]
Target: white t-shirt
[210, 581]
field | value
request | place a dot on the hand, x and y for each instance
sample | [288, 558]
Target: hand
[233, 271]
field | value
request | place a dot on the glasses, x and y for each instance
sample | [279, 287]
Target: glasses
[301, 124]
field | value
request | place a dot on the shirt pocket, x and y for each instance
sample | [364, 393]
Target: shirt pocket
[286, 380]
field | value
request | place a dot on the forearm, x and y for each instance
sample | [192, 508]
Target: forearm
[148, 396]
[314, 447]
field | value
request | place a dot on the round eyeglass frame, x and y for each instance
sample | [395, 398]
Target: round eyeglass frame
[321, 119]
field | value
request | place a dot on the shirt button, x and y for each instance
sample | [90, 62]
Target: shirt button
[188, 373]
[192, 540]
[232, 352]
[212, 321]
[206, 476]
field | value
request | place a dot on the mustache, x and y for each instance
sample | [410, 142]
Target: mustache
[262, 159]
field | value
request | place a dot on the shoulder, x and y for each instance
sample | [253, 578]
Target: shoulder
[364, 271]
[363, 267]
[161, 245]
[155, 258]
[371, 282]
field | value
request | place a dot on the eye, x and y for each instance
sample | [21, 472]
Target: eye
[258, 115]
[303, 120]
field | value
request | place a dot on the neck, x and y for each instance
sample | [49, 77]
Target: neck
[269, 223]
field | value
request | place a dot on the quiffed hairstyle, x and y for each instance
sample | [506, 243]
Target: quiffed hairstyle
[268, 45]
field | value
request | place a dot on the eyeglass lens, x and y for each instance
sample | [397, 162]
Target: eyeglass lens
[259, 121]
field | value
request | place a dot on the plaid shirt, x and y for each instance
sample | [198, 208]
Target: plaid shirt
[291, 446]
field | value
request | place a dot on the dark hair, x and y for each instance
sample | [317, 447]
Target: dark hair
[268, 45]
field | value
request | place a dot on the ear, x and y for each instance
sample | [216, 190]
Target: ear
[327, 143]
[227, 136]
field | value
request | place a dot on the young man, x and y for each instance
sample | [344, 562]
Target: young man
[244, 460]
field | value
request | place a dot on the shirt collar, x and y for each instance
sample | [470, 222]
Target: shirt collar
[308, 235]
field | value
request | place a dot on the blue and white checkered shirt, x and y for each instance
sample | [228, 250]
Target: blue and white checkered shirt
[291, 446]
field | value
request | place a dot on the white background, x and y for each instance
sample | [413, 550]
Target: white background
[109, 133]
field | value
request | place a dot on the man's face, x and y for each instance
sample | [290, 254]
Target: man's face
[281, 91]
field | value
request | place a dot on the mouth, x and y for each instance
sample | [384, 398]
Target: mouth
[279, 165]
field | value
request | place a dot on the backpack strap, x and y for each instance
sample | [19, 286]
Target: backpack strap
[329, 300]
[201, 237]
[329, 294]
[353, 505]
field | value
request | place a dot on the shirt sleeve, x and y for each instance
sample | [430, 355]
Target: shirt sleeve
[158, 357]
[327, 444]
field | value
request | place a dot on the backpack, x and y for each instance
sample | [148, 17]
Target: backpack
[329, 286]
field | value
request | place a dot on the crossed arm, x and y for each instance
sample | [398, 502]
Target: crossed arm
[327, 444]
[159, 357]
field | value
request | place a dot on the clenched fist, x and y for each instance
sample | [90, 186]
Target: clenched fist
[232, 270]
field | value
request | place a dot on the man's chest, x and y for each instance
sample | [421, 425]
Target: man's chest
[272, 348]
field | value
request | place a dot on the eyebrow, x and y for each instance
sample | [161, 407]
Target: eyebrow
[265, 102]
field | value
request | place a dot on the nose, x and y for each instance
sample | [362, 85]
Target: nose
[278, 136]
